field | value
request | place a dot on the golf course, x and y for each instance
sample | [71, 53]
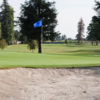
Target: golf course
[60, 72]
[49, 50]
[53, 56]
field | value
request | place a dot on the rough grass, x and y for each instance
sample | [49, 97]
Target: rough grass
[54, 55]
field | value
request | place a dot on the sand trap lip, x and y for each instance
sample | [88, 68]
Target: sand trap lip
[50, 84]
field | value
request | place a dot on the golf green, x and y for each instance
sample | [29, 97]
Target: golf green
[53, 56]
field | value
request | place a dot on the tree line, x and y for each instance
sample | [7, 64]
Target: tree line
[35, 10]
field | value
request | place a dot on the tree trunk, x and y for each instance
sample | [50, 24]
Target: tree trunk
[96, 42]
[79, 41]
[91, 42]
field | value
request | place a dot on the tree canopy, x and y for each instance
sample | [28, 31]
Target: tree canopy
[35, 10]
[7, 22]
[94, 26]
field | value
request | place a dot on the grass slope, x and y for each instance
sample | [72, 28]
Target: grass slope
[54, 55]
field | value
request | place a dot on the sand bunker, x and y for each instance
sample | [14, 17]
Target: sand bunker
[50, 84]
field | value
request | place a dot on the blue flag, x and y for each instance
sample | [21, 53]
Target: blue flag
[38, 24]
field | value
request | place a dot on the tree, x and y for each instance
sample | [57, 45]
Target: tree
[94, 26]
[7, 22]
[33, 11]
[3, 44]
[32, 44]
[58, 36]
[23, 39]
[97, 7]
[93, 30]
[80, 35]
[63, 37]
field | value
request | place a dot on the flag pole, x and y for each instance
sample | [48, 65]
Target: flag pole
[40, 39]
[39, 44]
[42, 32]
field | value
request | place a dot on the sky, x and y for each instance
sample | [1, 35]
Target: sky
[69, 14]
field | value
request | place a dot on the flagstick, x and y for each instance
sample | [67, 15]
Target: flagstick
[39, 45]
[42, 34]
[41, 40]
[41, 37]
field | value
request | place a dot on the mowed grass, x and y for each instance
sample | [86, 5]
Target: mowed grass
[54, 55]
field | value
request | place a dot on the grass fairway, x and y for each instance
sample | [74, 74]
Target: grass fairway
[54, 55]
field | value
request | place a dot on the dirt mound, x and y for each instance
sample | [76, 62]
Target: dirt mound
[50, 84]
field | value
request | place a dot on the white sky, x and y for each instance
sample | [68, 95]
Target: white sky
[69, 14]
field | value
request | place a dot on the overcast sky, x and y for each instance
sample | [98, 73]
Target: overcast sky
[69, 14]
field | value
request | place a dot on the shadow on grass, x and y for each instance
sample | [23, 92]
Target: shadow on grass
[75, 45]
[83, 52]
[78, 53]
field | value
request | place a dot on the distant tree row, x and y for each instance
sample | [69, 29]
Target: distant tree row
[35, 10]
[60, 37]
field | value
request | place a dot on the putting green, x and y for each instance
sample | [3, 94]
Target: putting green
[66, 56]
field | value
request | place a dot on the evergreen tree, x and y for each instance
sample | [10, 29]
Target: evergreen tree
[97, 7]
[80, 35]
[94, 26]
[7, 22]
[33, 11]
[94, 30]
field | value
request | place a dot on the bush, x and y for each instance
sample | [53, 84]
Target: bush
[3, 44]
[32, 44]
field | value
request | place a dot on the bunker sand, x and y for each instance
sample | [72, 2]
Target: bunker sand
[50, 84]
